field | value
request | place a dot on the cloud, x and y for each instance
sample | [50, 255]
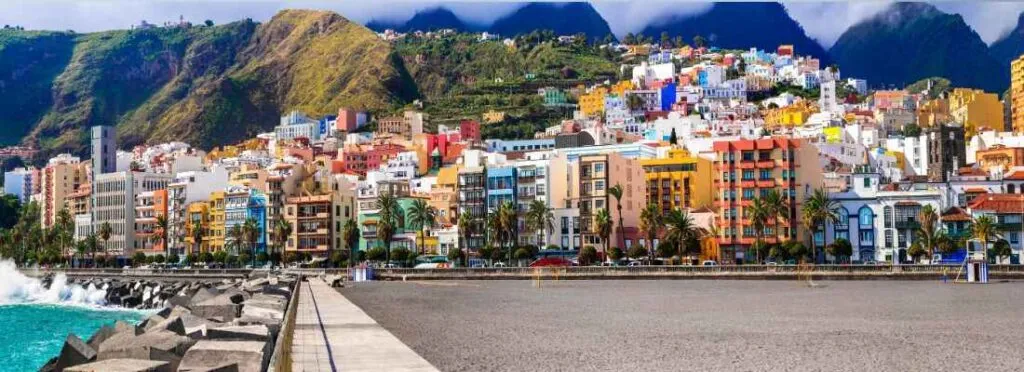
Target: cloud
[991, 20]
[632, 16]
[826, 21]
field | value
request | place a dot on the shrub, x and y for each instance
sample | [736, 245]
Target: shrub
[262, 257]
[522, 254]
[587, 255]
[206, 257]
[138, 258]
[376, 254]
[636, 251]
[244, 259]
[158, 259]
[173, 258]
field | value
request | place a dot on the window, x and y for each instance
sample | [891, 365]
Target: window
[1014, 237]
[888, 238]
[843, 235]
[598, 167]
[748, 156]
[748, 174]
[748, 193]
[599, 185]
[867, 237]
[843, 219]
[867, 182]
[887, 216]
[865, 218]
[766, 174]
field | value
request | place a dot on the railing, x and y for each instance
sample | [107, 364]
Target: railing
[723, 271]
[281, 360]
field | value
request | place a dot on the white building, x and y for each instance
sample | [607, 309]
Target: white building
[114, 197]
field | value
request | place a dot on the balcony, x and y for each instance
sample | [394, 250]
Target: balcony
[766, 183]
[748, 183]
[766, 163]
[1009, 226]
[908, 224]
[747, 164]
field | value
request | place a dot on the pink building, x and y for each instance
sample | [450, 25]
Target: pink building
[469, 130]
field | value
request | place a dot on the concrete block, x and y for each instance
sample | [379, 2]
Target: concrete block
[204, 294]
[158, 345]
[173, 324]
[101, 335]
[123, 365]
[240, 333]
[74, 352]
[249, 356]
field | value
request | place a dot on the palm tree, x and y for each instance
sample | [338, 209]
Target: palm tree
[65, 226]
[984, 228]
[928, 234]
[251, 235]
[105, 232]
[236, 237]
[422, 216]
[391, 218]
[681, 229]
[819, 210]
[539, 218]
[508, 222]
[161, 233]
[282, 230]
[616, 192]
[778, 210]
[465, 225]
[651, 221]
[603, 223]
[197, 236]
[350, 232]
[759, 213]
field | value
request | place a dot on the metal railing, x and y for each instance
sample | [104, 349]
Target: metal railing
[281, 360]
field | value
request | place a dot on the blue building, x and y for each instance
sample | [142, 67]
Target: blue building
[501, 186]
[18, 182]
[240, 205]
[668, 96]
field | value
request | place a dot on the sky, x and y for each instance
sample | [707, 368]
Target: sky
[824, 21]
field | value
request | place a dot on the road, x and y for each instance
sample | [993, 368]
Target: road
[702, 325]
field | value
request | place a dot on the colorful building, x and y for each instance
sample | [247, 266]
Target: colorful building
[976, 110]
[592, 103]
[1017, 95]
[678, 181]
[748, 169]
[197, 217]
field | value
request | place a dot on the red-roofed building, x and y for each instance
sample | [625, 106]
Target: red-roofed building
[360, 159]
[1007, 210]
[469, 130]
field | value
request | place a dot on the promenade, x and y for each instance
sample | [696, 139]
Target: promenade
[333, 334]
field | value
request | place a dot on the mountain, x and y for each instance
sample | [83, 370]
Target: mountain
[425, 20]
[562, 18]
[205, 85]
[911, 41]
[1011, 46]
[741, 25]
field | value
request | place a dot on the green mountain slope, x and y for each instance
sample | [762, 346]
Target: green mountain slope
[911, 41]
[29, 63]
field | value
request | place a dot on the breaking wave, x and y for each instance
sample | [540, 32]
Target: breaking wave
[17, 288]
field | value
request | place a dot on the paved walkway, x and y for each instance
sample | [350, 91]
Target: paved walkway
[333, 334]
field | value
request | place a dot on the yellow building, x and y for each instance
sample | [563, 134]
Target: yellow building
[1017, 94]
[933, 112]
[215, 233]
[197, 216]
[621, 87]
[592, 104]
[491, 117]
[789, 116]
[678, 181]
[976, 110]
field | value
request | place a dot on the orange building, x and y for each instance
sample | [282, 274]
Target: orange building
[150, 207]
[749, 169]
[999, 158]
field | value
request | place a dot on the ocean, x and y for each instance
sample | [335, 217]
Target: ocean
[31, 334]
[35, 320]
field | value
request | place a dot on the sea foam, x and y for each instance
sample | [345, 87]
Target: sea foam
[16, 288]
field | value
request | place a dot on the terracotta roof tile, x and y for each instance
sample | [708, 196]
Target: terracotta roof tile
[955, 214]
[999, 203]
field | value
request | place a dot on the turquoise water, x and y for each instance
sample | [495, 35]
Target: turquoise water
[31, 334]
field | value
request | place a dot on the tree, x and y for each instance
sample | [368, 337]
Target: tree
[700, 41]
[983, 228]
[629, 39]
[350, 233]
[251, 236]
[759, 214]
[208, 23]
[376, 254]
[587, 256]
[778, 210]
[672, 138]
[616, 192]
[636, 252]
[465, 226]
[206, 257]
[221, 256]
[911, 130]
[65, 229]
[161, 229]
[338, 258]
[105, 231]
[666, 40]
[539, 218]
[615, 254]
[391, 218]
[928, 235]
[681, 229]
[917, 250]
[138, 258]
[282, 230]
[197, 237]
[796, 250]
[422, 216]
[840, 248]
[603, 225]
[650, 222]
[262, 257]
[173, 258]
[819, 210]
[1001, 249]
[159, 258]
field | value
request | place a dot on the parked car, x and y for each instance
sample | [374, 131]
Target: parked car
[709, 263]
[551, 262]
[635, 263]
[499, 264]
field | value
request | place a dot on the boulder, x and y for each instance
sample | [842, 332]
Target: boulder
[131, 300]
[240, 333]
[125, 327]
[123, 365]
[204, 294]
[100, 335]
[248, 356]
[157, 345]
[173, 324]
[74, 352]
[222, 307]
[183, 301]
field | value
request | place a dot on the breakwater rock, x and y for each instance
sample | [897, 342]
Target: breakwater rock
[201, 325]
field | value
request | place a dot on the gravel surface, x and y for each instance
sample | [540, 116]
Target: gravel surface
[703, 325]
